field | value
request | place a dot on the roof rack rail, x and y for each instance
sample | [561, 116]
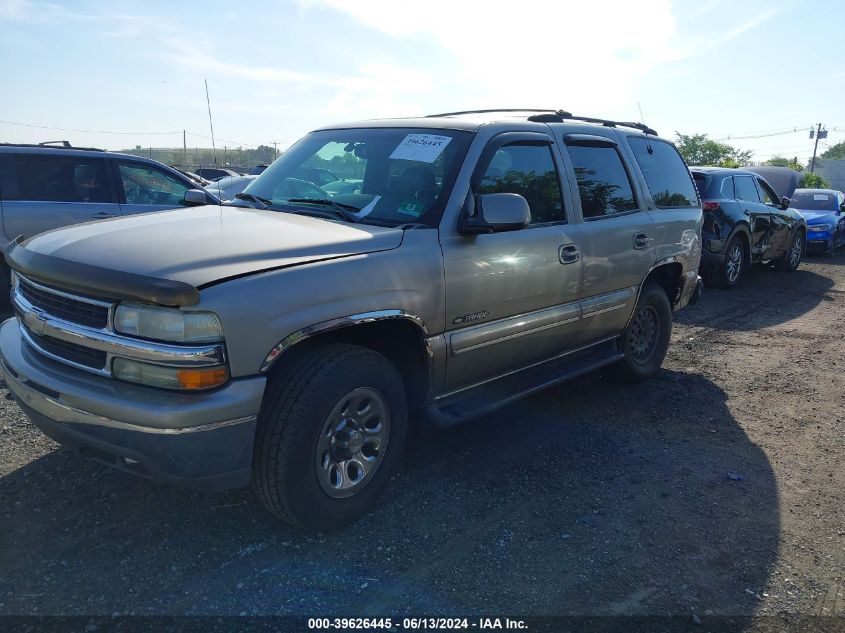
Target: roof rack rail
[492, 110]
[53, 145]
[561, 115]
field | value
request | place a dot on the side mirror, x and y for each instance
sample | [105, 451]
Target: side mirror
[195, 197]
[494, 212]
[785, 202]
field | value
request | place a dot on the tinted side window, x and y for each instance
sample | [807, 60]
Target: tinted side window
[701, 183]
[745, 189]
[769, 196]
[603, 183]
[665, 173]
[728, 188]
[528, 170]
[143, 184]
[61, 179]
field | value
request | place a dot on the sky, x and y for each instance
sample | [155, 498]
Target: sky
[756, 74]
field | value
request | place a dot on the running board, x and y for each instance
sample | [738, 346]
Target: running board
[469, 403]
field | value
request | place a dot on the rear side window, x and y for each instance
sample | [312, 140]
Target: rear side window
[61, 179]
[746, 189]
[728, 188]
[603, 183]
[701, 183]
[665, 173]
[529, 170]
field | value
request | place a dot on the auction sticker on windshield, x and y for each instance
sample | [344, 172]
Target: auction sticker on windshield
[423, 148]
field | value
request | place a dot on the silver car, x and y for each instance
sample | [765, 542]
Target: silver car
[43, 187]
[286, 341]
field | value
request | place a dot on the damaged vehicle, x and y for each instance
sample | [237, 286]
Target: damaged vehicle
[285, 341]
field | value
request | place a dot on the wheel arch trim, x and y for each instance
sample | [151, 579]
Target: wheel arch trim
[673, 259]
[338, 323]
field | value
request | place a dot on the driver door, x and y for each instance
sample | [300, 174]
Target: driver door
[512, 298]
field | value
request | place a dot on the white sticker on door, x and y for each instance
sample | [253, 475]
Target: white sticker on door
[423, 148]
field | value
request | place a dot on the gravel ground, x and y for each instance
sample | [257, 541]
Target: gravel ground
[715, 488]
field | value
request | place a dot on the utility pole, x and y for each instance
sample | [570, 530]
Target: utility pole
[275, 150]
[184, 151]
[819, 134]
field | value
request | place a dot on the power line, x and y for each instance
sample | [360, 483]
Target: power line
[138, 133]
[742, 137]
[64, 129]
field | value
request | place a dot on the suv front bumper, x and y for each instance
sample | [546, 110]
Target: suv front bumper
[200, 440]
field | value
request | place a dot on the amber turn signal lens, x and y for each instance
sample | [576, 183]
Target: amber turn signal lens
[202, 378]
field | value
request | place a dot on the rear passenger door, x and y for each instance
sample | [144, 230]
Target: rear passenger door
[45, 192]
[748, 197]
[617, 235]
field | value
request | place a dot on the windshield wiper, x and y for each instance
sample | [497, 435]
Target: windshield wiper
[345, 211]
[264, 202]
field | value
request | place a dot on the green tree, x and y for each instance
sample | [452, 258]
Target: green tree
[813, 181]
[698, 149]
[782, 161]
[835, 152]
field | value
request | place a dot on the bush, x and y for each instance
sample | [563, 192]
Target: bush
[813, 181]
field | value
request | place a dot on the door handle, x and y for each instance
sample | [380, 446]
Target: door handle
[102, 215]
[568, 254]
[641, 241]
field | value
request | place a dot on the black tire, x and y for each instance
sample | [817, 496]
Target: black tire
[791, 259]
[297, 404]
[728, 273]
[835, 242]
[644, 351]
[5, 288]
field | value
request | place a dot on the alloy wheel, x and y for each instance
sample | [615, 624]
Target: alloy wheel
[733, 266]
[352, 442]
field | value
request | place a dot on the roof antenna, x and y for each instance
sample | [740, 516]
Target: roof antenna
[210, 124]
[642, 119]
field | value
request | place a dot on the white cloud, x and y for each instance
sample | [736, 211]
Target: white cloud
[582, 56]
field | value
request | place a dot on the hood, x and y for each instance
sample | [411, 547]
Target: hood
[819, 217]
[200, 245]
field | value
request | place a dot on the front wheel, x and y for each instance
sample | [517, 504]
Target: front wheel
[330, 434]
[791, 259]
[646, 339]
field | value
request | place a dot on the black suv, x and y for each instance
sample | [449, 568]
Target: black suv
[745, 222]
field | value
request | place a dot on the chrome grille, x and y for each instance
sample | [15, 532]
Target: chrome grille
[64, 307]
[64, 350]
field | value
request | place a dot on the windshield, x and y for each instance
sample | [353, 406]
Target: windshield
[390, 176]
[813, 200]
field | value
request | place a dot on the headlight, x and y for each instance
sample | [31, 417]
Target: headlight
[167, 324]
[818, 228]
[169, 377]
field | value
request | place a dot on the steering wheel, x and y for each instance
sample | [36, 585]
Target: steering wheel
[426, 195]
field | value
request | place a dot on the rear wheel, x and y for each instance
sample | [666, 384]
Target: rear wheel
[729, 272]
[646, 339]
[330, 434]
[791, 259]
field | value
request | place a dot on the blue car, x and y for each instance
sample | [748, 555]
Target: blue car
[824, 210]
